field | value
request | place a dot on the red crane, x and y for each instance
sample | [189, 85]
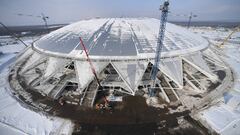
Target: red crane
[90, 62]
[92, 67]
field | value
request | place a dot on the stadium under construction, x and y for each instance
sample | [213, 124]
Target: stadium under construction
[115, 60]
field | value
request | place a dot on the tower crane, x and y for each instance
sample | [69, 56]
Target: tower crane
[13, 34]
[164, 15]
[42, 16]
[190, 19]
[190, 16]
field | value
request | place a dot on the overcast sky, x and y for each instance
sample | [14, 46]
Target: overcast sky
[67, 11]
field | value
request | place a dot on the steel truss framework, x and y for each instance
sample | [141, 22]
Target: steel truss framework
[50, 75]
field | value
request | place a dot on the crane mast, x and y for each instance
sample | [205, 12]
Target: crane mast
[42, 16]
[164, 9]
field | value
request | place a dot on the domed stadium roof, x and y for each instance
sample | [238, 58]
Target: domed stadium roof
[121, 38]
[121, 54]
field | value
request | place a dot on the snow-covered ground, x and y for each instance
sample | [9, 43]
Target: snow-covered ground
[14, 118]
[224, 117]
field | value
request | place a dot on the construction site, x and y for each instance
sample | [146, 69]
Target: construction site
[122, 76]
[116, 61]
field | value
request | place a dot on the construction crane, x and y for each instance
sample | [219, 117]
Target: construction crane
[42, 16]
[185, 15]
[228, 37]
[90, 62]
[93, 69]
[190, 19]
[12, 34]
[164, 9]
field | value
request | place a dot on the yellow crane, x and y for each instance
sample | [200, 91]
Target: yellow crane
[229, 36]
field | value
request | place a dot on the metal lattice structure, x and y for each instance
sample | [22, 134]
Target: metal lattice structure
[163, 21]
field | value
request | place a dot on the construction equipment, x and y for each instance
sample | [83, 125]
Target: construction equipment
[228, 37]
[184, 15]
[90, 62]
[105, 105]
[13, 34]
[42, 16]
[92, 67]
[190, 19]
[164, 9]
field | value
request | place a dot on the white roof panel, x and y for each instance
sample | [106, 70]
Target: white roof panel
[34, 58]
[84, 72]
[172, 68]
[26, 52]
[54, 65]
[198, 62]
[131, 72]
[120, 37]
[212, 55]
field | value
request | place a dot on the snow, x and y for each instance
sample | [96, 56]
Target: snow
[5, 57]
[29, 121]
[15, 118]
[10, 45]
[8, 130]
[224, 117]
[14, 48]
[221, 118]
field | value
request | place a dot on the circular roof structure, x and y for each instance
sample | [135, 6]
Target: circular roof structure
[119, 38]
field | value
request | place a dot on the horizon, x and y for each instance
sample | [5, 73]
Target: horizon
[65, 12]
[169, 21]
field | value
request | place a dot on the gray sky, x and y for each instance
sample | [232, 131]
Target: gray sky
[66, 11]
